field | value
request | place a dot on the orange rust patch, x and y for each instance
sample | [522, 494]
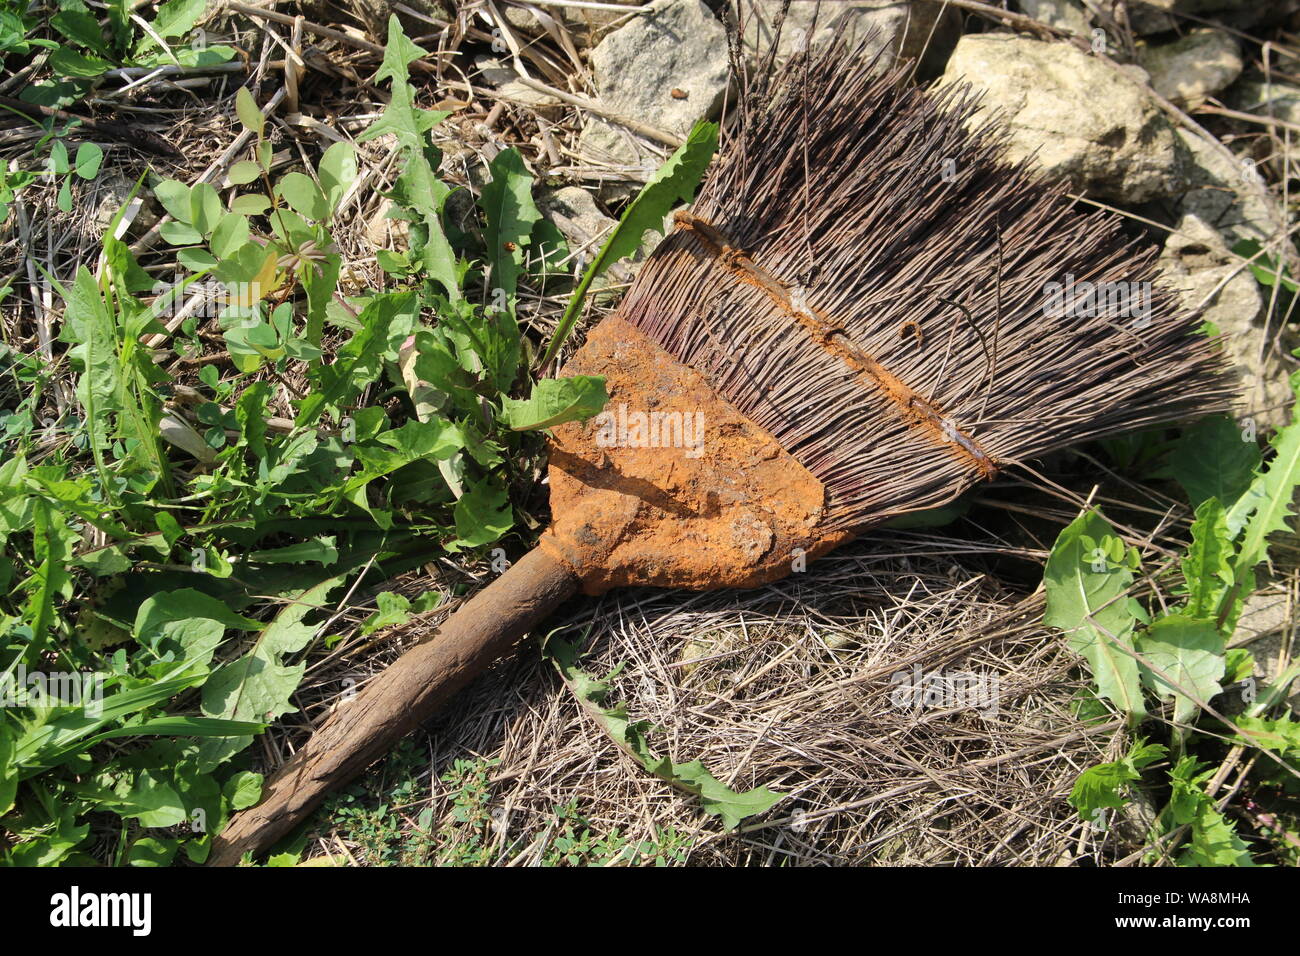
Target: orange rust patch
[923, 414]
[733, 510]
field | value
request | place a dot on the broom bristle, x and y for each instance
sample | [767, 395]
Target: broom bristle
[865, 278]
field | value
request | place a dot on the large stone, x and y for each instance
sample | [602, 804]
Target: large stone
[909, 30]
[1266, 98]
[1157, 16]
[1197, 263]
[1192, 67]
[1226, 193]
[668, 69]
[1262, 630]
[1078, 119]
[1062, 14]
[587, 26]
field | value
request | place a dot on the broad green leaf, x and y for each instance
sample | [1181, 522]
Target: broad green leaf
[259, 685]
[80, 27]
[66, 61]
[482, 514]
[1179, 654]
[249, 115]
[179, 233]
[675, 182]
[230, 234]
[250, 204]
[557, 400]
[244, 172]
[175, 198]
[337, 172]
[176, 18]
[1087, 580]
[1210, 460]
[508, 207]
[303, 195]
[89, 156]
[206, 209]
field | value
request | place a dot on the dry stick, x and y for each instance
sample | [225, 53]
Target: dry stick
[415, 685]
[642, 129]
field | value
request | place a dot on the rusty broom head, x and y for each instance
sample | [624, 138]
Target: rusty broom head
[903, 311]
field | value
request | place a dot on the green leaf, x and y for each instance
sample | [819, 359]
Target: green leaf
[1213, 840]
[557, 400]
[176, 18]
[179, 233]
[80, 27]
[1270, 496]
[230, 234]
[206, 209]
[1179, 654]
[304, 196]
[482, 515]
[1211, 460]
[89, 156]
[358, 362]
[1105, 785]
[68, 62]
[1265, 267]
[675, 182]
[259, 685]
[1087, 579]
[508, 207]
[91, 326]
[249, 115]
[1207, 567]
[250, 204]
[337, 172]
[8, 772]
[418, 187]
[244, 172]
[175, 198]
[320, 550]
[243, 789]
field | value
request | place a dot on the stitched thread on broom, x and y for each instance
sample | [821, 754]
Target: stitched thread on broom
[920, 412]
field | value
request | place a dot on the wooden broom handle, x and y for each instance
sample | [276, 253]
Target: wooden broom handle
[393, 704]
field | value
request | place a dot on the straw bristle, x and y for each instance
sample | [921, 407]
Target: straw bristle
[866, 279]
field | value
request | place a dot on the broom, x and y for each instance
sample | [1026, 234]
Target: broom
[865, 313]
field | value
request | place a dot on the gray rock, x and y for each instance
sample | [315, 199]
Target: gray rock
[1276, 99]
[1193, 67]
[586, 26]
[1157, 16]
[1220, 193]
[667, 68]
[1079, 119]
[1262, 630]
[1062, 14]
[1197, 263]
[908, 30]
